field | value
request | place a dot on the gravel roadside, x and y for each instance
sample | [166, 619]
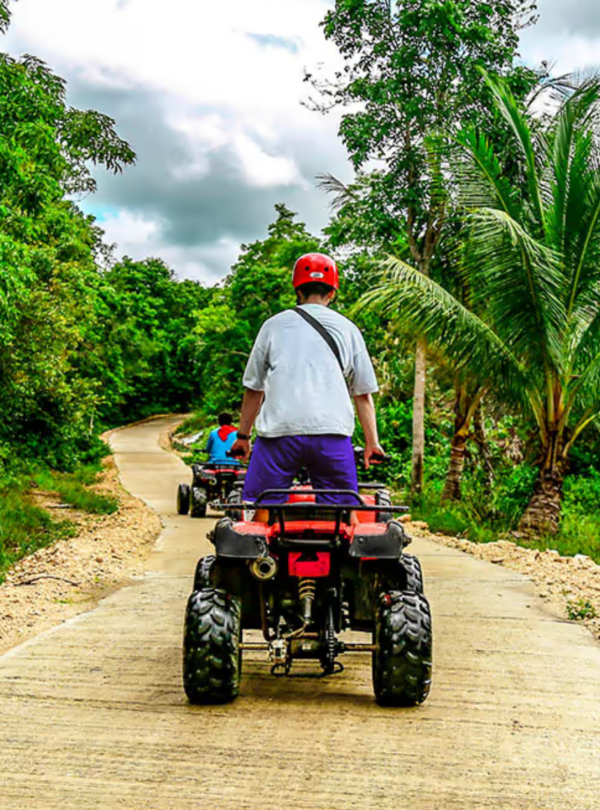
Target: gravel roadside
[572, 584]
[71, 576]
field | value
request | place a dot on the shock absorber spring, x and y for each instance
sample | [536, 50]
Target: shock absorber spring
[307, 589]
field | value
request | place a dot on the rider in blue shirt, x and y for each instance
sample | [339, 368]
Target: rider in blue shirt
[221, 440]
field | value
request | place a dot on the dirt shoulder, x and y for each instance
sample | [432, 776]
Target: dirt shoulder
[71, 576]
[572, 584]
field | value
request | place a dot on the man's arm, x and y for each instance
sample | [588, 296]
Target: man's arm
[365, 409]
[250, 408]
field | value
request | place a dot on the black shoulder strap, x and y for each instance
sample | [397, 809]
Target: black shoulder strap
[327, 337]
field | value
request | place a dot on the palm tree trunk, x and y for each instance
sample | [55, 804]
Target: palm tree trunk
[484, 449]
[542, 515]
[466, 405]
[418, 425]
[455, 468]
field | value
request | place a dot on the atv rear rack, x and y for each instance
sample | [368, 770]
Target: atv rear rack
[309, 506]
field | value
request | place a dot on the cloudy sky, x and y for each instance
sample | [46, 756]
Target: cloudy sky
[209, 94]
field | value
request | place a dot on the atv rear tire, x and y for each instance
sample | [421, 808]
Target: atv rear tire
[199, 501]
[183, 499]
[414, 573]
[383, 498]
[204, 568]
[211, 654]
[402, 659]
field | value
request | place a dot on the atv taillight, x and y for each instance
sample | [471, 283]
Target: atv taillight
[309, 563]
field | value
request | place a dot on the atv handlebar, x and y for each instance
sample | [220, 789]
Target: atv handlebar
[376, 458]
[359, 455]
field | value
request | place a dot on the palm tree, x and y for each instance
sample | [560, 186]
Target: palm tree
[530, 327]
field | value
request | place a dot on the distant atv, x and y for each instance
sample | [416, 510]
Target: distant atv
[210, 483]
[303, 577]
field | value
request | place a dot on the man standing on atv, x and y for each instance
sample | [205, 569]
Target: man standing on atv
[306, 366]
[221, 440]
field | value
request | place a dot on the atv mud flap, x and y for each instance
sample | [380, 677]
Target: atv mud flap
[229, 542]
[378, 541]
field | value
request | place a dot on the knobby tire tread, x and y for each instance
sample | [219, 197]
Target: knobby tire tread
[402, 663]
[211, 656]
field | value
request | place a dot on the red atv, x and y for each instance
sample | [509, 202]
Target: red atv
[210, 483]
[303, 577]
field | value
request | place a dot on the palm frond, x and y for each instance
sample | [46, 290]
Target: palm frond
[517, 120]
[342, 193]
[415, 301]
[481, 176]
[586, 388]
[584, 247]
[519, 281]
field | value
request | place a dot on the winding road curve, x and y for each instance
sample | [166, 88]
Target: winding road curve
[92, 713]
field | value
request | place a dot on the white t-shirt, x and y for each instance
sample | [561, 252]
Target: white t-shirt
[305, 392]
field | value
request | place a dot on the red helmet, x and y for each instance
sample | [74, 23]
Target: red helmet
[316, 267]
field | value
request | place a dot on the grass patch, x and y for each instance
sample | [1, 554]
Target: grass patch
[575, 536]
[25, 527]
[579, 531]
[581, 609]
[73, 490]
[458, 519]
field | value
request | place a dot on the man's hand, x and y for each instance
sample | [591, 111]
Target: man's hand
[241, 447]
[373, 450]
[365, 409]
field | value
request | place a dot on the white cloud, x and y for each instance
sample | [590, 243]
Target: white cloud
[262, 169]
[567, 36]
[139, 238]
[209, 95]
[199, 52]
[131, 232]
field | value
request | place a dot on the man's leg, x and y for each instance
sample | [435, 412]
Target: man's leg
[273, 465]
[331, 465]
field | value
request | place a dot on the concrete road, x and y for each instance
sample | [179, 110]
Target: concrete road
[92, 713]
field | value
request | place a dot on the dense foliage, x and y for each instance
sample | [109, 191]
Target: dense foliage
[80, 346]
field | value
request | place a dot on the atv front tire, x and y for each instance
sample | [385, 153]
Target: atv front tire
[402, 659]
[383, 498]
[183, 499]
[211, 654]
[202, 577]
[199, 501]
[413, 572]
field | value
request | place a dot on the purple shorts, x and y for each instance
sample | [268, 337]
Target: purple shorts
[329, 460]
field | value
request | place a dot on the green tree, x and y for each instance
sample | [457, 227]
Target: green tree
[140, 349]
[258, 287]
[411, 76]
[4, 15]
[534, 272]
[48, 251]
